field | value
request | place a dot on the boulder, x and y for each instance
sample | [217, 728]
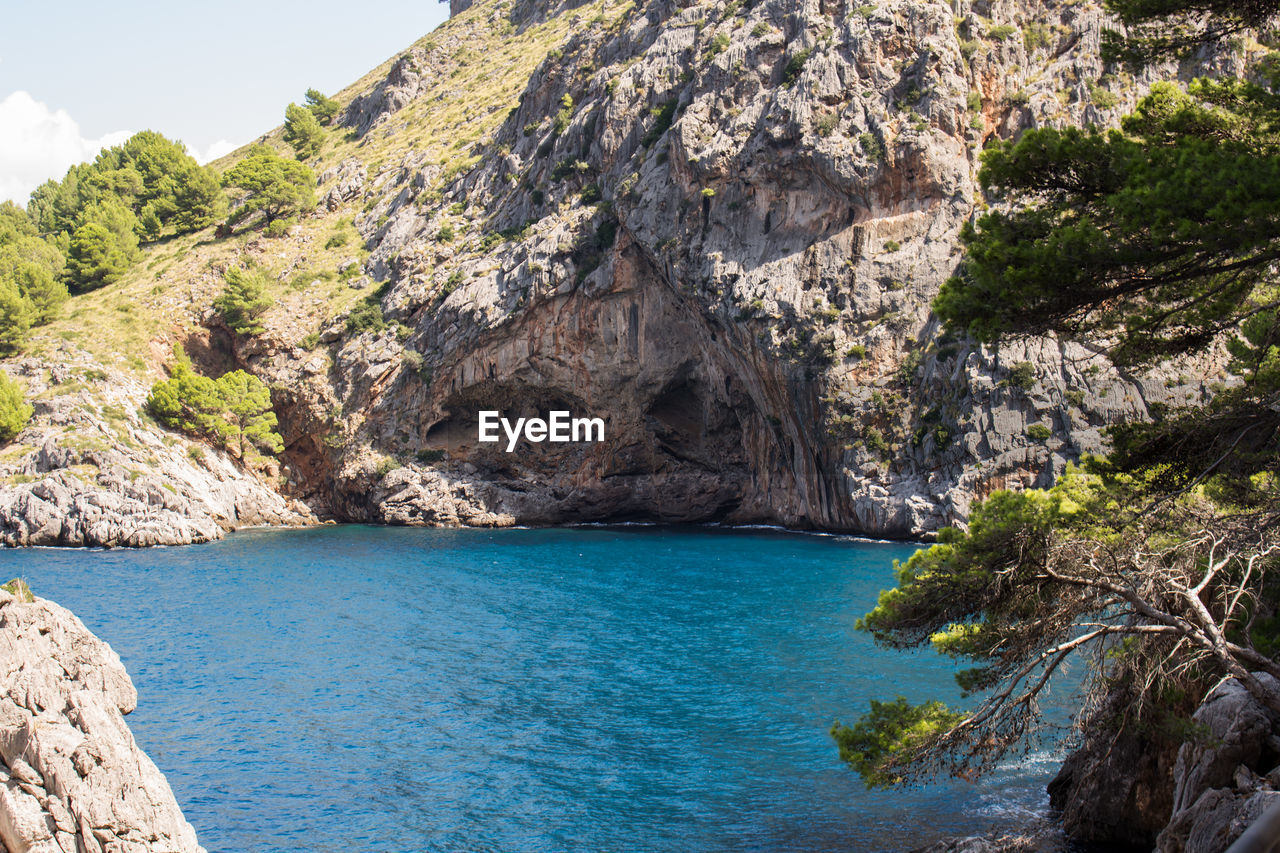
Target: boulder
[72, 778]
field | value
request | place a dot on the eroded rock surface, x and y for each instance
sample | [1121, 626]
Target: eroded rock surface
[73, 778]
[91, 470]
[719, 226]
[1228, 774]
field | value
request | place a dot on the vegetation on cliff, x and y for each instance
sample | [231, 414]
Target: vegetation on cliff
[234, 410]
[15, 412]
[1154, 564]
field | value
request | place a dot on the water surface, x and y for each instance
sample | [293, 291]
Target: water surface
[373, 689]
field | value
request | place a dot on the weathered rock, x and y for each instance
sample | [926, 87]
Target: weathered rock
[1219, 786]
[91, 471]
[750, 308]
[73, 778]
[1116, 788]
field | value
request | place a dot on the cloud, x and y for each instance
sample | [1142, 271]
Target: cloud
[37, 143]
[221, 148]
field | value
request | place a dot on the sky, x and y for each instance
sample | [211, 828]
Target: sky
[76, 76]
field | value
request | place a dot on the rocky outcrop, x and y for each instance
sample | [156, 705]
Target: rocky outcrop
[1228, 774]
[719, 227]
[92, 470]
[1141, 788]
[1116, 788]
[73, 778]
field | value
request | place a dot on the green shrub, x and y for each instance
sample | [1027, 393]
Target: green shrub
[1001, 32]
[1039, 432]
[1102, 99]
[366, 317]
[872, 147]
[875, 441]
[664, 117]
[564, 115]
[717, 46]
[14, 411]
[244, 300]
[857, 351]
[791, 72]
[19, 589]
[445, 234]
[429, 456]
[385, 466]
[1022, 375]
[892, 245]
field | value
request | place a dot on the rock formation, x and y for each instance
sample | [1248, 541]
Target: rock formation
[73, 778]
[92, 470]
[719, 227]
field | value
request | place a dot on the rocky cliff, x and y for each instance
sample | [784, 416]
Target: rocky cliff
[718, 226]
[73, 779]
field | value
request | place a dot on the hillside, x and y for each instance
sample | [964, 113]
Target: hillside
[718, 226]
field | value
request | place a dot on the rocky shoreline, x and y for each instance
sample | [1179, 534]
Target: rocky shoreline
[73, 778]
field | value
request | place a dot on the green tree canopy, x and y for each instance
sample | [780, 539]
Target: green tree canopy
[14, 411]
[271, 185]
[322, 107]
[95, 257]
[152, 176]
[302, 131]
[233, 411]
[248, 420]
[244, 300]
[30, 264]
[1156, 564]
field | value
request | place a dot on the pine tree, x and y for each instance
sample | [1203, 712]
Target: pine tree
[249, 421]
[95, 257]
[271, 185]
[322, 107]
[244, 301]
[14, 411]
[302, 131]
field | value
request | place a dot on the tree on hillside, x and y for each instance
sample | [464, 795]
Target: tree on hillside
[270, 185]
[16, 315]
[248, 420]
[1156, 564]
[14, 411]
[244, 300]
[322, 107]
[302, 131]
[95, 257]
[154, 177]
[234, 410]
[31, 264]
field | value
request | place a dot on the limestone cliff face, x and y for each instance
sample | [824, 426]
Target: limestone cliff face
[73, 779]
[718, 226]
[92, 470]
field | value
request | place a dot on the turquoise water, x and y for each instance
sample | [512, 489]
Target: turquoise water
[371, 689]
